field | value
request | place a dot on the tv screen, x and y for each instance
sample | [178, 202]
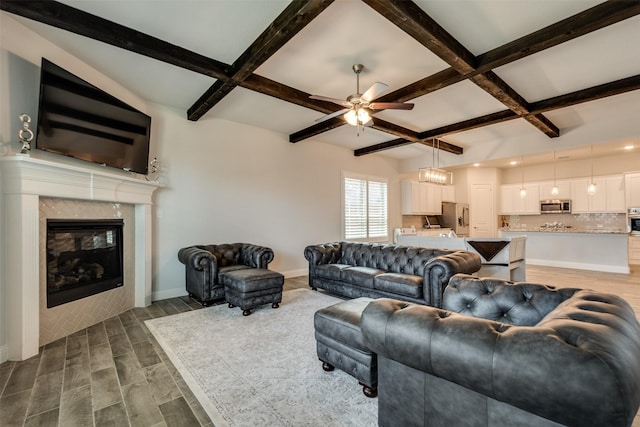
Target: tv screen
[79, 120]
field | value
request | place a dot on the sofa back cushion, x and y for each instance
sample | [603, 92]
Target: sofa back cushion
[226, 254]
[391, 258]
[519, 304]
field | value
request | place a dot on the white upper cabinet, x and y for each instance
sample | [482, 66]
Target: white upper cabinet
[448, 193]
[421, 198]
[564, 190]
[632, 188]
[608, 198]
[512, 203]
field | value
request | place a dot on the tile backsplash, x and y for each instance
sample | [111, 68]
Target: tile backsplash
[590, 221]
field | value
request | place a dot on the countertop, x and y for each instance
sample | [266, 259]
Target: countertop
[563, 230]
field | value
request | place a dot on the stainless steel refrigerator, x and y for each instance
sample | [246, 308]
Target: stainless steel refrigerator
[456, 217]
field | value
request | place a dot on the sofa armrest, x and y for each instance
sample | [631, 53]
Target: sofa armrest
[327, 253]
[199, 259]
[256, 256]
[440, 269]
[581, 367]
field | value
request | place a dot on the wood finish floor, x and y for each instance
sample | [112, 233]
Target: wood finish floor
[115, 374]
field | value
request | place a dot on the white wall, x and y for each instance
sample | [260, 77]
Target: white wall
[229, 182]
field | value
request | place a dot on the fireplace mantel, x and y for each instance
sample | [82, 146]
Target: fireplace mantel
[24, 181]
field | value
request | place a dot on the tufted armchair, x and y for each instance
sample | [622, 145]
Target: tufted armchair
[506, 354]
[204, 264]
[376, 270]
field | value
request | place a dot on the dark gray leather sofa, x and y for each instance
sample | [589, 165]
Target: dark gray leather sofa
[506, 354]
[386, 271]
[204, 264]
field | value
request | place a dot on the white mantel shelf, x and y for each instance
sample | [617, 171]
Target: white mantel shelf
[24, 180]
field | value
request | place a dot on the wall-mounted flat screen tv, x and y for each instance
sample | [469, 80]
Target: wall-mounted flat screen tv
[79, 120]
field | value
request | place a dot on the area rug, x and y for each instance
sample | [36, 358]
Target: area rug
[262, 369]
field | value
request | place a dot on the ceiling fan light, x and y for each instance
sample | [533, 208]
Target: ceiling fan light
[351, 118]
[363, 116]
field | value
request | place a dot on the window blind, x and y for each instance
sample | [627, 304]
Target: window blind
[365, 208]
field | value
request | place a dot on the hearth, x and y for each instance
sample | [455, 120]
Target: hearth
[84, 258]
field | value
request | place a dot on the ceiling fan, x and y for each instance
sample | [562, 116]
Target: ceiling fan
[360, 106]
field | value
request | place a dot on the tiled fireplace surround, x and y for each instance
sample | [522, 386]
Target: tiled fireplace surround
[35, 190]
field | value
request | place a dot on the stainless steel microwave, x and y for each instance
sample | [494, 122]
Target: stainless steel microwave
[555, 206]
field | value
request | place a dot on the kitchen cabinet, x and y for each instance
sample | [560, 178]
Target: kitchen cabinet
[632, 189]
[564, 190]
[634, 249]
[609, 196]
[449, 193]
[421, 198]
[511, 203]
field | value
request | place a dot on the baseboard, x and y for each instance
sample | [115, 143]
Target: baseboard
[580, 266]
[169, 293]
[295, 273]
[4, 353]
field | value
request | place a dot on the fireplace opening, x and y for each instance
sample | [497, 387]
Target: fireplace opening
[84, 258]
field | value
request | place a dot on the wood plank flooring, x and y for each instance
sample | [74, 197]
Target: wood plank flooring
[115, 374]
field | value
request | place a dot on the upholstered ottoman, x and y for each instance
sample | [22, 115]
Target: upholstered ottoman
[250, 287]
[340, 345]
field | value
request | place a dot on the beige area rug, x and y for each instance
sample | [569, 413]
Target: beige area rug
[262, 369]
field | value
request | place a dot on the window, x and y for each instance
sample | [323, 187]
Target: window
[365, 208]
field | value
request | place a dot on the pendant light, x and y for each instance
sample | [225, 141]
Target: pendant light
[434, 174]
[592, 188]
[523, 191]
[554, 191]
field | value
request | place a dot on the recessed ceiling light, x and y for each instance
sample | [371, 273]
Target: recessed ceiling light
[513, 163]
[476, 164]
[629, 147]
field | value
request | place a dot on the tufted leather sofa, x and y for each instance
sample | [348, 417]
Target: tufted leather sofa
[204, 265]
[376, 270]
[506, 354]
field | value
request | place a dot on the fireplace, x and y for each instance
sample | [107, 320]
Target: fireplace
[83, 258]
[30, 185]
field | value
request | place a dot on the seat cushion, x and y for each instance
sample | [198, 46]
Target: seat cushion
[341, 322]
[252, 279]
[399, 283]
[330, 271]
[229, 268]
[360, 276]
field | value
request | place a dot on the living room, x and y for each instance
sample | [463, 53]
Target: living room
[222, 180]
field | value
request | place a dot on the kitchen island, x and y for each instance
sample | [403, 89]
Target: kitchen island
[502, 257]
[598, 250]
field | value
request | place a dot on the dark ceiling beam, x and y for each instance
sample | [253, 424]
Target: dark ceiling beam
[395, 143]
[617, 87]
[585, 22]
[293, 18]
[85, 24]
[414, 21]
[594, 93]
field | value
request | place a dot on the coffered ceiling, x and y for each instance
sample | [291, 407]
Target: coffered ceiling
[478, 71]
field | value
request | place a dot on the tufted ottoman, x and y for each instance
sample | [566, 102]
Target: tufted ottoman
[248, 288]
[339, 343]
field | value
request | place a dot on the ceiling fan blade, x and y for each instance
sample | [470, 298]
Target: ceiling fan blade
[391, 106]
[334, 100]
[374, 91]
[332, 115]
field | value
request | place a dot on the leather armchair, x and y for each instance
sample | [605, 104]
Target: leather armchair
[204, 263]
[504, 354]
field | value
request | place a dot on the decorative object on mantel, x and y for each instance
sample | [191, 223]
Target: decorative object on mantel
[25, 135]
[154, 166]
[591, 189]
[434, 174]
